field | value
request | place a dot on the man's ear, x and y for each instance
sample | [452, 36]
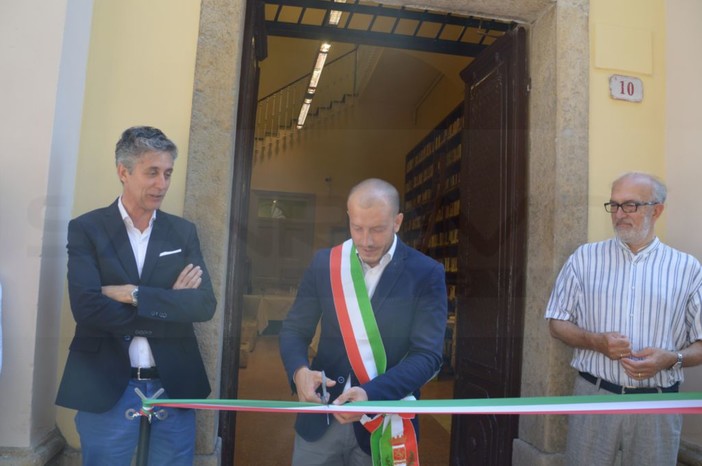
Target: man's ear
[398, 221]
[122, 172]
[658, 210]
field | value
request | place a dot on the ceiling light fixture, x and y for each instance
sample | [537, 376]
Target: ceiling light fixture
[335, 15]
[314, 80]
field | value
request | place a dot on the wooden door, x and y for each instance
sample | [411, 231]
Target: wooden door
[492, 245]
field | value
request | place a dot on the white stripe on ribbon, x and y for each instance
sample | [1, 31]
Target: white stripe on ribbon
[354, 311]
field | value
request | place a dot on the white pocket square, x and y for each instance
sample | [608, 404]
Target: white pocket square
[168, 253]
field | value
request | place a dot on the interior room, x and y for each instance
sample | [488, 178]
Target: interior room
[372, 112]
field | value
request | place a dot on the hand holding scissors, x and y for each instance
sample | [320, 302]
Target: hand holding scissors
[307, 382]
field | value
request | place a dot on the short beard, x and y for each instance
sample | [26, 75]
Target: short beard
[637, 236]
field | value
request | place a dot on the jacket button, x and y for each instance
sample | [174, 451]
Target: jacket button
[127, 337]
[340, 380]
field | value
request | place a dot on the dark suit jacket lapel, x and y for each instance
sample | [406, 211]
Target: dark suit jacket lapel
[159, 233]
[390, 276]
[117, 232]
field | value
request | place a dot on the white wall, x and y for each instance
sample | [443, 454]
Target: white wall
[683, 149]
[36, 196]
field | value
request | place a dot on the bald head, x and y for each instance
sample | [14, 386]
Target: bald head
[373, 192]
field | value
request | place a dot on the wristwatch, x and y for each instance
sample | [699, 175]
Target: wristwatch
[678, 363]
[135, 296]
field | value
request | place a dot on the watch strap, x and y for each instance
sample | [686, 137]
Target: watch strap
[678, 363]
[135, 296]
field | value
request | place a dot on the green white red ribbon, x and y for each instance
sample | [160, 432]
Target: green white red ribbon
[393, 439]
[656, 403]
[359, 329]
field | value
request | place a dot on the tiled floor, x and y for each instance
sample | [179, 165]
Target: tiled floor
[266, 439]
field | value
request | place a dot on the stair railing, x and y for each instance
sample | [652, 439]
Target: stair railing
[341, 79]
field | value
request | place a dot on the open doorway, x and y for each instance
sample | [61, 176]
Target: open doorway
[400, 97]
[403, 99]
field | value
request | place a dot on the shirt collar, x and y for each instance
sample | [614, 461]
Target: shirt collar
[391, 251]
[642, 252]
[387, 257]
[125, 216]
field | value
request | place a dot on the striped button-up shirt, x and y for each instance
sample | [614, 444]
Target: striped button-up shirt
[653, 297]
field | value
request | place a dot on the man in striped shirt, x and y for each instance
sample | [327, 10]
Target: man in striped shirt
[631, 307]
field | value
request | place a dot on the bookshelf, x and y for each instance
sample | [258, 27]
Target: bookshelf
[432, 205]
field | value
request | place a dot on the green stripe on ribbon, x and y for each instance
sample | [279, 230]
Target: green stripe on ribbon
[364, 304]
[375, 439]
[384, 447]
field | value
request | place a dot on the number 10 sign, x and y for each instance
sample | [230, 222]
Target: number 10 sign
[626, 88]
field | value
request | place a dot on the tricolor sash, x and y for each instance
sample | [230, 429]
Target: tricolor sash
[393, 440]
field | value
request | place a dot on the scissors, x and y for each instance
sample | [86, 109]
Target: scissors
[325, 395]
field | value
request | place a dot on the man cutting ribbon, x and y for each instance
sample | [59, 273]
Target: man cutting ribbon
[382, 307]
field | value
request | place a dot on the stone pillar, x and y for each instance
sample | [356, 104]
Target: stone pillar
[210, 175]
[558, 198]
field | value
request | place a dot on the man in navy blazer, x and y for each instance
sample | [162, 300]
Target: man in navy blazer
[137, 281]
[408, 298]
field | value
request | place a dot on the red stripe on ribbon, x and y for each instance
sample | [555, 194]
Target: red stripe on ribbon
[410, 443]
[374, 423]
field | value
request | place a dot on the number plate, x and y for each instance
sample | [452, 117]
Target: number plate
[626, 88]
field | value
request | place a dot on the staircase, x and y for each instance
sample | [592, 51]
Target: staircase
[342, 81]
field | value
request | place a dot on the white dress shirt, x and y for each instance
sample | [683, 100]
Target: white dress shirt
[371, 275]
[139, 350]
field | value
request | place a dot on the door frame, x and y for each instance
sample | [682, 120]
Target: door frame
[237, 281]
[239, 208]
[558, 152]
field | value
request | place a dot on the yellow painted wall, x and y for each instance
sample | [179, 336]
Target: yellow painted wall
[140, 72]
[627, 37]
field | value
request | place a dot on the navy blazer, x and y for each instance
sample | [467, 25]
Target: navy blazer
[99, 253]
[410, 307]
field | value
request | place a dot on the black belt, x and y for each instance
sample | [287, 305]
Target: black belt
[620, 390]
[144, 373]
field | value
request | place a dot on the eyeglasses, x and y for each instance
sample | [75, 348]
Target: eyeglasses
[627, 207]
